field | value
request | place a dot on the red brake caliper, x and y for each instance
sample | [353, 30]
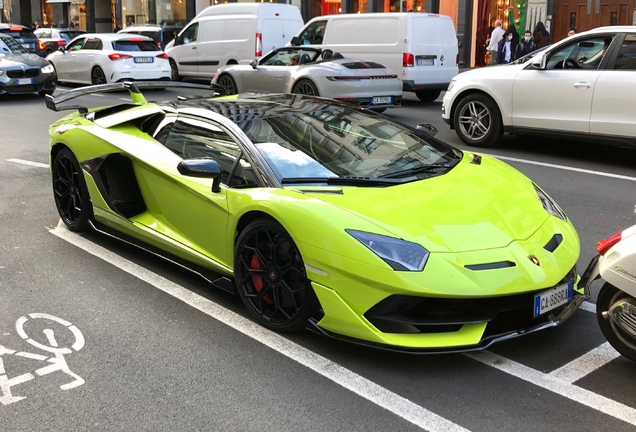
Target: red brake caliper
[255, 264]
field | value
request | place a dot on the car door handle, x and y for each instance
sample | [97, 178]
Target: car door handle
[279, 77]
[582, 85]
[194, 47]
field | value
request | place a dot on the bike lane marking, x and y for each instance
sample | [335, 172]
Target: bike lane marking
[336, 373]
[30, 163]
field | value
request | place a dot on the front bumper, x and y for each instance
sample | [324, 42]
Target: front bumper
[43, 82]
[412, 86]
[141, 75]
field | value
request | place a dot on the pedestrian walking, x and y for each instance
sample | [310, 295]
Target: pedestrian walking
[495, 37]
[541, 36]
[526, 46]
[508, 45]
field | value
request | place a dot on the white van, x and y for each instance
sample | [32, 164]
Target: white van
[420, 47]
[231, 33]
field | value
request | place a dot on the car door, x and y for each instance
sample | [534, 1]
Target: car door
[272, 72]
[188, 206]
[614, 104]
[86, 58]
[185, 50]
[559, 97]
[210, 45]
[65, 62]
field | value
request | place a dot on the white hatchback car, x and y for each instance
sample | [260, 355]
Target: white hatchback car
[579, 88]
[105, 58]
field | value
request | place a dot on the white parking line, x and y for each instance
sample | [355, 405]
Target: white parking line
[558, 386]
[563, 167]
[350, 380]
[586, 364]
[26, 162]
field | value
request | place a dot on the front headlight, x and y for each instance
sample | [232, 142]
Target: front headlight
[399, 254]
[451, 85]
[549, 205]
[48, 69]
[1, 72]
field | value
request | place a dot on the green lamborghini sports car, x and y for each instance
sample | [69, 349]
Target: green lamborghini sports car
[321, 215]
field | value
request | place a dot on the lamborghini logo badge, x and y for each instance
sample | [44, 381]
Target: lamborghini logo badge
[534, 260]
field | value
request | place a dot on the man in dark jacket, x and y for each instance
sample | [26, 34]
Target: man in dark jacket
[508, 46]
[526, 46]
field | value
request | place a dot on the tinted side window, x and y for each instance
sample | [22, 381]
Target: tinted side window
[190, 138]
[44, 35]
[626, 59]
[93, 44]
[244, 175]
[76, 44]
[190, 34]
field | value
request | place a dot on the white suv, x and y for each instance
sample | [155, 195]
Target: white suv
[582, 87]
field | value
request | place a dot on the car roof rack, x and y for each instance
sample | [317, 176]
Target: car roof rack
[53, 102]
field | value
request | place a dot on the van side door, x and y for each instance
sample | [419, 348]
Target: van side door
[185, 50]
[210, 46]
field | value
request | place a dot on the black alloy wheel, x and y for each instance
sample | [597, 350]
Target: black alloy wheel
[428, 95]
[98, 76]
[305, 87]
[270, 277]
[621, 340]
[227, 82]
[70, 191]
[477, 120]
[174, 71]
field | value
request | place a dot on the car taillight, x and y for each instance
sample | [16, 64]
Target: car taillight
[258, 51]
[41, 45]
[603, 245]
[162, 55]
[408, 60]
[118, 56]
[61, 42]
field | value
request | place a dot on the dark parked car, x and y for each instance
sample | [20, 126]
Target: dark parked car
[25, 37]
[160, 34]
[24, 72]
[54, 38]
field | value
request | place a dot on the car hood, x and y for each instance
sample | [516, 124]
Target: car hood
[472, 207]
[18, 60]
[491, 72]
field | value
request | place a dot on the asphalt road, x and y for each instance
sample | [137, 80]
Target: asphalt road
[145, 345]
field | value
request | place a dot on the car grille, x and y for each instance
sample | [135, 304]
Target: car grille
[411, 314]
[28, 73]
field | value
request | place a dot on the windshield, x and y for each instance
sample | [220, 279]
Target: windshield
[338, 142]
[132, 45]
[10, 46]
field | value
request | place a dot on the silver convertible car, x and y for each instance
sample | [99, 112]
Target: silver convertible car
[315, 72]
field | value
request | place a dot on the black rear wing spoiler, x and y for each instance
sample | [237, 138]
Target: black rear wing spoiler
[53, 102]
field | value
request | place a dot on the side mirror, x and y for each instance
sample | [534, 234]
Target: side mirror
[428, 128]
[62, 49]
[254, 64]
[539, 62]
[205, 168]
[295, 41]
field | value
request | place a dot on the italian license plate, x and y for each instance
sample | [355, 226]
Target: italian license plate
[28, 46]
[144, 59]
[25, 81]
[425, 62]
[553, 298]
[381, 100]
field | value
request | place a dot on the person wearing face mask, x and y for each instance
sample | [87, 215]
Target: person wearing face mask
[508, 46]
[526, 46]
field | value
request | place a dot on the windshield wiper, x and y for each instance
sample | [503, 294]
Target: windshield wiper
[342, 181]
[419, 169]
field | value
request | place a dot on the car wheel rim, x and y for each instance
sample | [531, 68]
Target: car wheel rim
[474, 120]
[306, 89]
[98, 76]
[228, 84]
[67, 190]
[271, 275]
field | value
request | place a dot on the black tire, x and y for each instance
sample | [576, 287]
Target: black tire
[226, 81]
[70, 191]
[622, 341]
[98, 76]
[305, 87]
[477, 121]
[428, 95]
[270, 277]
[174, 71]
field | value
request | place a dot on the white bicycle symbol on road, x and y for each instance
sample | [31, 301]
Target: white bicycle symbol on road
[57, 360]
